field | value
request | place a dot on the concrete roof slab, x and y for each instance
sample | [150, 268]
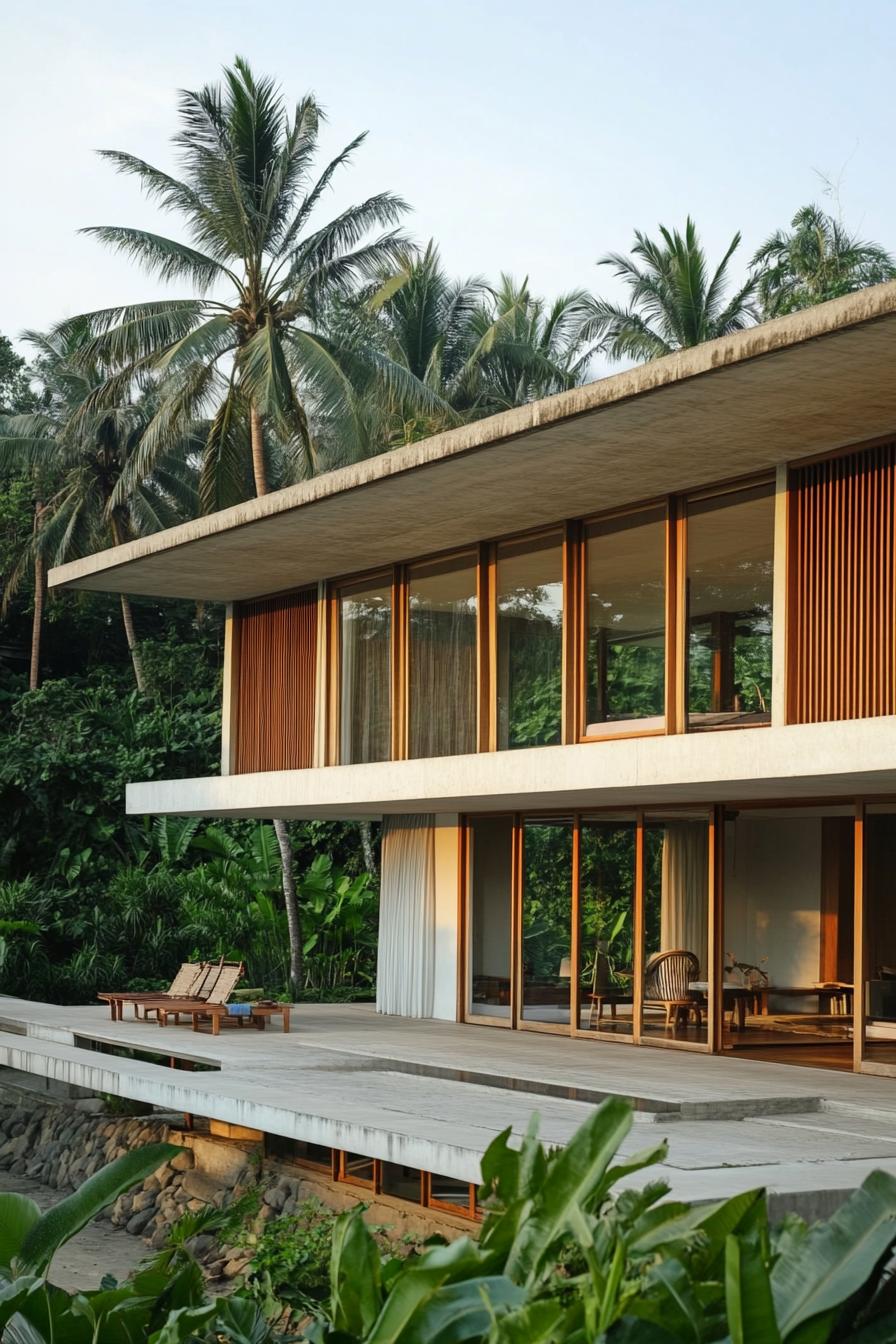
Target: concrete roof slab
[801, 385]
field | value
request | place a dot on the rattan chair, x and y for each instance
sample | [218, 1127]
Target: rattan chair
[667, 977]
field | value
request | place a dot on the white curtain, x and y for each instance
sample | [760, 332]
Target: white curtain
[685, 903]
[405, 971]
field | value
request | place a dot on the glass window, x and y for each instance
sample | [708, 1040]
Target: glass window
[676, 928]
[606, 924]
[730, 553]
[530, 642]
[446, 1193]
[365, 630]
[547, 920]
[401, 1182]
[789, 886]
[357, 1169]
[297, 1150]
[491, 893]
[442, 647]
[625, 595]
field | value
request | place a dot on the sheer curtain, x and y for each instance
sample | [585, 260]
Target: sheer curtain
[442, 659]
[405, 972]
[365, 728]
[685, 905]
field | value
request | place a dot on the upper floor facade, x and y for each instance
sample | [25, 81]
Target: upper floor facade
[694, 550]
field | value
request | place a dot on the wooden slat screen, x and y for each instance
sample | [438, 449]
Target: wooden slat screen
[841, 636]
[276, 652]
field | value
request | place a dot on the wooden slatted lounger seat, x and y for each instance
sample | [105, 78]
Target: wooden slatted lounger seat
[215, 994]
[258, 1014]
[186, 984]
[214, 981]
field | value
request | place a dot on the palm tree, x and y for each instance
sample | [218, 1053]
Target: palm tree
[817, 260]
[82, 457]
[244, 348]
[673, 301]
[526, 349]
[420, 323]
[474, 348]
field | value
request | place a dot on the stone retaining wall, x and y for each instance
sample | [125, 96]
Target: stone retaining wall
[62, 1143]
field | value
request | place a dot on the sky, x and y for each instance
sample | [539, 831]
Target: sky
[529, 137]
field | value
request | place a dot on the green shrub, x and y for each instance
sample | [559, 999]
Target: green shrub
[290, 1262]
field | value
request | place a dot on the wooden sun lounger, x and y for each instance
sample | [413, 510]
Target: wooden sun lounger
[189, 979]
[214, 982]
[217, 1013]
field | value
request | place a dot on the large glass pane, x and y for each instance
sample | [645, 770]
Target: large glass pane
[491, 895]
[676, 928]
[625, 594]
[606, 924]
[365, 624]
[530, 642]
[547, 920]
[442, 658]
[730, 549]
[880, 942]
[787, 979]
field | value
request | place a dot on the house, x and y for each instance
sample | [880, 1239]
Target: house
[617, 671]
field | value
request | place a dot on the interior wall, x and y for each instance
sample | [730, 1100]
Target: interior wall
[773, 895]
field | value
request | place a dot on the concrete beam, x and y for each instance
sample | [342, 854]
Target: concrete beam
[797, 761]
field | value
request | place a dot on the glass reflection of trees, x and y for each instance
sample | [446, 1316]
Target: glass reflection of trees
[626, 647]
[730, 551]
[606, 922]
[530, 642]
[547, 919]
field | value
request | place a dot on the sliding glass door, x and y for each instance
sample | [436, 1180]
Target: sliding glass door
[546, 924]
[676, 979]
[489, 920]
[593, 924]
[606, 920]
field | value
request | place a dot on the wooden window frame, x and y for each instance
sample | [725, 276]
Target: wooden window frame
[483, 558]
[715, 813]
[761, 481]
[566, 537]
[344, 1177]
[640, 816]
[336, 589]
[627, 728]
[470, 1210]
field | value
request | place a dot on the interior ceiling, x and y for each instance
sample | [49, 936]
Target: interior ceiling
[728, 421]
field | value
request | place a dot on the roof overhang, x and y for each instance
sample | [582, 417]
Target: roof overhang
[804, 384]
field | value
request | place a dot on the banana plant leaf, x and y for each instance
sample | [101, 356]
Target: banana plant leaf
[44, 1237]
[748, 1294]
[831, 1262]
[18, 1214]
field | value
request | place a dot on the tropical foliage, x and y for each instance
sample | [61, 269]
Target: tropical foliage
[815, 260]
[571, 1249]
[566, 1254]
[91, 899]
[165, 1301]
[244, 346]
[676, 298]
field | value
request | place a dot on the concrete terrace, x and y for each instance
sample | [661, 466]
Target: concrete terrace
[433, 1094]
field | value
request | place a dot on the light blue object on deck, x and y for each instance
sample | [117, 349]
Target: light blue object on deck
[239, 1009]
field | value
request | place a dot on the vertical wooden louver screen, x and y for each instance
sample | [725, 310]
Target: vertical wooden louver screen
[276, 656]
[841, 637]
